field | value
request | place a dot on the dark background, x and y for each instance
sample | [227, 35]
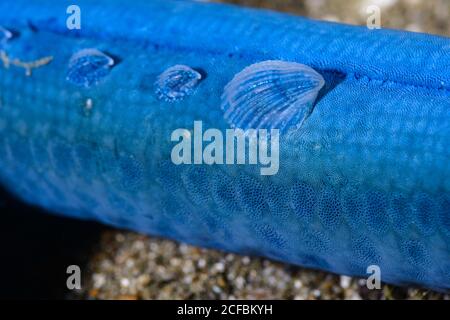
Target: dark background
[36, 248]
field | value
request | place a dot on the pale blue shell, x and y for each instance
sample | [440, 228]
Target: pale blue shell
[177, 82]
[88, 66]
[271, 95]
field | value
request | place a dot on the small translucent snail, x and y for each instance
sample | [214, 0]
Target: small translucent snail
[88, 66]
[177, 82]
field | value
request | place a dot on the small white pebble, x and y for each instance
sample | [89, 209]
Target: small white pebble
[99, 280]
[124, 282]
[298, 284]
[345, 282]
[201, 263]
[219, 267]
[240, 282]
[187, 279]
[355, 296]
[414, 27]
[184, 248]
[331, 17]
[187, 267]
[175, 262]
